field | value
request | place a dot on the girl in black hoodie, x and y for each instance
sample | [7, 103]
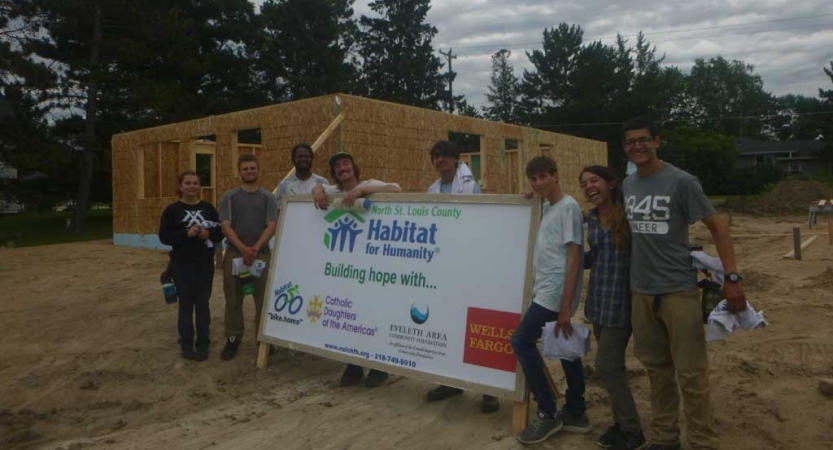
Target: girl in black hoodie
[192, 228]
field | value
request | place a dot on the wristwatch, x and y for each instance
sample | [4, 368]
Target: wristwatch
[733, 277]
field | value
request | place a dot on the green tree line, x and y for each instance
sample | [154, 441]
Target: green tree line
[589, 89]
[72, 74]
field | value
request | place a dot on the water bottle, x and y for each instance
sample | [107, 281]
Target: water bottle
[169, 291]
[360, 205]
[711, 295]
[247, 280]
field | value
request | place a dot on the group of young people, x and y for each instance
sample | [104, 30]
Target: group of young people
[641, 281]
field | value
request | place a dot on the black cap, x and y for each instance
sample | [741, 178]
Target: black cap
[338, 156]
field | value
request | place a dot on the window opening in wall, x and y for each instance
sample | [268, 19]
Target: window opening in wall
[204, 164]
[470, 143]
[249, 136]
[249, 141]
[513, 162]
[204, 169]
[546, 150]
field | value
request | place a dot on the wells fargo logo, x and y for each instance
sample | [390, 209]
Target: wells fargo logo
[487, 339]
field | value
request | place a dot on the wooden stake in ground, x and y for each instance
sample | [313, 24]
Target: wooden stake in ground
[262, 355]
[830, 230]
[799, 246]
[797, 243]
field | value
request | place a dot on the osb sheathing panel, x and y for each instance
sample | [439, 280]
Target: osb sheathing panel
[389, 141]
[124, 187]
[382, 134]
[170, 169]
[151, 155]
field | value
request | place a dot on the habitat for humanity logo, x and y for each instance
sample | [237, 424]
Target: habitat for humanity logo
[383, 238]
[418, 316]
[344, 229]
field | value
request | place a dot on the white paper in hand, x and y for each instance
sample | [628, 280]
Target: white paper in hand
[255, 269]
[562, 348]
[722, 323]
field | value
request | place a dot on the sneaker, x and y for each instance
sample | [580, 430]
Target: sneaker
[489, 404]
[230, 350]
[630, 441]
[201, 355]
[610, 436]
[353, 374]
[189, 353]
[375, 378]
[664, 447]
[543, 427]
[580, 424]
[442, 392]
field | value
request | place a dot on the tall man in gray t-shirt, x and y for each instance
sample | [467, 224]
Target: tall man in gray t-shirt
[249, 216]
[661, 202]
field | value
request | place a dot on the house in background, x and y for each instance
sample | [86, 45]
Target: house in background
[793, 157]
[389, 141]
[8, 204]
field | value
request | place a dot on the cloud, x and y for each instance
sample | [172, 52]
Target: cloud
[788, 41]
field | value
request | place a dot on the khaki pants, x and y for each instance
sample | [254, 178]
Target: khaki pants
[671, 343]
[233, 290]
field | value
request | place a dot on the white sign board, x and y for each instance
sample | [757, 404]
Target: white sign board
[426, 286]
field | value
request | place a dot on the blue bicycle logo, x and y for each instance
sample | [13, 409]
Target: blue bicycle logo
[289, 300]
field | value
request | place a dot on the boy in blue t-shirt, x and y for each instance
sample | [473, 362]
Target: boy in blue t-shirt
[557, 265]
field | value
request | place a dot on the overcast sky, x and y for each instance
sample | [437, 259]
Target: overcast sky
[788, 42]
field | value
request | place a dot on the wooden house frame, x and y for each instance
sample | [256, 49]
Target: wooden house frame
[389, 142]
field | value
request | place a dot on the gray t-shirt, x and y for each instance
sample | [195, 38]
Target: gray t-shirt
[249, 213]
[560, 226]
[660, 207]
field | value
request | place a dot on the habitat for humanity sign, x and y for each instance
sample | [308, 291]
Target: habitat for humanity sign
[427, 286]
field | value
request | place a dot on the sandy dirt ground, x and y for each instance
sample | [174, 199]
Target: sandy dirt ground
[89, 360]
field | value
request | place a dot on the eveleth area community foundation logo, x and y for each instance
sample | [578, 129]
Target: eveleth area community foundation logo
[381, 237]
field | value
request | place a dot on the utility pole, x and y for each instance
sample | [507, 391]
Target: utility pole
[449, 56]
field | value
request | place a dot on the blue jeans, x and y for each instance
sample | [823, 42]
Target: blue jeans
[524, 343]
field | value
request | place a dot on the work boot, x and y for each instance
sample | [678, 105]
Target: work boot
[230, 350]
[630, 441]
[610, 436]
[353, 374]
[489, 404]
[442, 392]
[375, 378]
[188, 353]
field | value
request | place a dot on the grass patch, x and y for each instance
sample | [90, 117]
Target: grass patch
[30, 229]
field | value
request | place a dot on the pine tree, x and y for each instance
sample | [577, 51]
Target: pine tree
[305, 48]
[398, 62]
[503, 90]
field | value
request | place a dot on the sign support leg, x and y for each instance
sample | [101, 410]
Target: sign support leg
[520, 414]
[263, 356]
